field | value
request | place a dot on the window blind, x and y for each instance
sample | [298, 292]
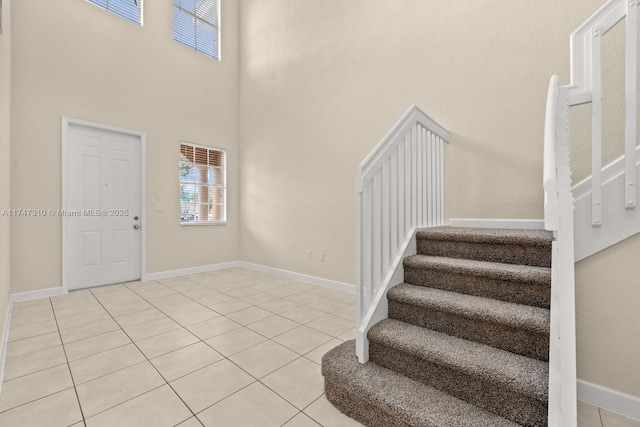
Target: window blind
[130, 9]
[196, 23]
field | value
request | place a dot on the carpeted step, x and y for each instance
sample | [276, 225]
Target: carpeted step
[520, 284]
[517, 328]
[378, 397]
[526, 247]
[512, 386]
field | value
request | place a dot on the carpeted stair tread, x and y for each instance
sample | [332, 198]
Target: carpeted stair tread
[517, 316]
[522, 375]
[495, 270]
[520, 329]
[488, 235]
[379, 397]
[528, 247]
[520, 284]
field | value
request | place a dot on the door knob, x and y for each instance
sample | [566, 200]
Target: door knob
[136, 226]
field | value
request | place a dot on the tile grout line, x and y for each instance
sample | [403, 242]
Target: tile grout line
[256, 380]
[259, 380]
[150, 363]
[41, 370]
[180, 397]
[255, 305]
[284, 398]
[600, 416]
[64, 350]
[182, 292]
[169, 384]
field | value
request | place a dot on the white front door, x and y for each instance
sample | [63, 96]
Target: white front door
[101, 207]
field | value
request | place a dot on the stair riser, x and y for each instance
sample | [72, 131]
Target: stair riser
[524, 342]
[353, 405]
[481, 392]
[533, 294]
[539, 256]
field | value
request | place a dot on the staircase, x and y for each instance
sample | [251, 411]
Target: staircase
[466, 341]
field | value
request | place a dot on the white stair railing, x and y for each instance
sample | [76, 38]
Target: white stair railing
[559, 219]
[399, 188]
[606, 201]
[603, 212]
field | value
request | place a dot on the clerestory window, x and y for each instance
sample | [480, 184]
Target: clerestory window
[196, 23]
[130, 9]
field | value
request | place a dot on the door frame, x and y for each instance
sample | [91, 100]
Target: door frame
[71, 121]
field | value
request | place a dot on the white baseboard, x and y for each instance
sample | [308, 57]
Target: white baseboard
[525, 224]
[191, 270]
[299, 276]
[39, 293]
[264, 269]
[49, 292]
[611, 400]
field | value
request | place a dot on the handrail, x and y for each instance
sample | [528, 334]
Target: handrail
[605, 18]
[380, 153]
[550, 175]
[399, 187]
[559, 219]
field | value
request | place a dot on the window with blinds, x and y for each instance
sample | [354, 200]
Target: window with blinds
[203, 185]
[196, 23]
[130, 9]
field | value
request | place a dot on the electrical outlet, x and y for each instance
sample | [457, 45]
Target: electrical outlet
[309, 255]
[321, 256]
[195, 248]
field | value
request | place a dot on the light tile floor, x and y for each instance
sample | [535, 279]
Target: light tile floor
[228, 348]
[593, 416]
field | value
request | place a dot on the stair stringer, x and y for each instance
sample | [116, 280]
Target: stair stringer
[618, 223]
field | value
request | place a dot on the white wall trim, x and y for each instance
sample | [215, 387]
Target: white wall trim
[191, 270]
[243, 264]
[611, 400]
[526, 224]
[49, 292]
[299, 276]
[37, 294]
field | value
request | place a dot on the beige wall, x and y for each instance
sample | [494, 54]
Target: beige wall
[607, 315]
[320, 86]
[74, 59]
[5, 163]
[318, 89]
